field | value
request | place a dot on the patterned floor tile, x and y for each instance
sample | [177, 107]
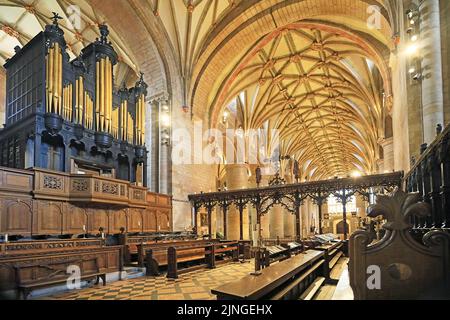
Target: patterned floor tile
[190, 286]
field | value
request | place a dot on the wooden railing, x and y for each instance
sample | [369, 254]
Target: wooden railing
[430, 176]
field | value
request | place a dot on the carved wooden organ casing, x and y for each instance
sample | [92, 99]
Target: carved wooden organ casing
[63, 113]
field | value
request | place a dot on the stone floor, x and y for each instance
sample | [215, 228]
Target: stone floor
[195, 285]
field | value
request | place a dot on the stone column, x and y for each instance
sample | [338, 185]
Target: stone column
[388, 154]
[236, 178]
[276, 222]
[214, 228]
[153, 143]
[360, 206]
[289, 224]
[432, 82]
[2, 96]
[165, 166]
[326, 223]
[304, 212]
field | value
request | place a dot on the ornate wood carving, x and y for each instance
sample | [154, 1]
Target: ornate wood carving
[398, 267]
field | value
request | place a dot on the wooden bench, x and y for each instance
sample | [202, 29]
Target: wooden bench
[131, 243]
[333, 252]
[286, 280]
[181, 254]
[41, 268]
[55, 273]
[159, 250]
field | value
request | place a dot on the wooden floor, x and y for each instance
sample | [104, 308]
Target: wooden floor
[327, 291]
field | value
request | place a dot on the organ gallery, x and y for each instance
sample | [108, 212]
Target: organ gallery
[224, 150]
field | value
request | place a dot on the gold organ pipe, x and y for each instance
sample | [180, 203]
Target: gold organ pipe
[65, 101]
[51, 57]
[102, 95]
[77, 100]
[81, 103]
[60, 84]
[130, 128]
[47, 77]
[143, 119]
[70, 102]
[97, 96]
[108, 95]
[56, 84]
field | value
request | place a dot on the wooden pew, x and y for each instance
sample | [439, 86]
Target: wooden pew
[131, 242]
[398, 266]
[55, 272]
[207, 252]
[273, 254]
[333, 252]
[159, 250]
[29, 265]
[286, 280]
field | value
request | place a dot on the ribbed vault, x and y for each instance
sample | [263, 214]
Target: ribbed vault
[320, 89]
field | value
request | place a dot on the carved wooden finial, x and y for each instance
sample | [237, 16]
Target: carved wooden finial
[398, 208]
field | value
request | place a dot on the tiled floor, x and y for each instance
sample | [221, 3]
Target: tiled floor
[195, 285]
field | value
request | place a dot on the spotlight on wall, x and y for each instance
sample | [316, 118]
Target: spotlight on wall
[412, 34]
[414, 69]
[412, 49]
[165, 120]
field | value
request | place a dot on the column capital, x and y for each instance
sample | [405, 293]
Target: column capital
[384, 142]
[158, 98]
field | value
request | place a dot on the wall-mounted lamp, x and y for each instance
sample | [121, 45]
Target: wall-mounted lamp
[225, 116]
[413, 14]
[412, 49]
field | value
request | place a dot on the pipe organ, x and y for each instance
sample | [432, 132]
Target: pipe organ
[68, 115]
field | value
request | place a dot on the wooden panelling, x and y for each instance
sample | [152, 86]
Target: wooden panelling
[16, 217]
[52, 203]
[117, 219]
[49, 218]
[163, 220]
[98, 218]
[76, 218]
[135, 220]
[150, 220]
[16, 181]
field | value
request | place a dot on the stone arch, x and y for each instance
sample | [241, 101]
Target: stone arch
[145, 39]
[228, 38]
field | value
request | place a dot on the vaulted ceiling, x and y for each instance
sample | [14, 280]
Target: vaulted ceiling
[314, 71]
[21, 20]
[320, 90]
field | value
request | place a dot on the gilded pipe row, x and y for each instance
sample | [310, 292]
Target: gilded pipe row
[118, 122]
